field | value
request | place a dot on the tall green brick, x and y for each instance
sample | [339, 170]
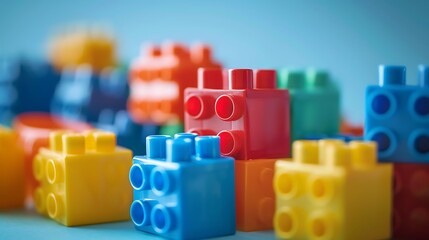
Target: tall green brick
[315, 102]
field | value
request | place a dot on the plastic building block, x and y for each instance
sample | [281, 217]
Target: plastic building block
[343, 137]
[91, 47]
[244, 109]
[411, 201]
[397, 116]
[25, 85]
[171, 130]
[159, 77]
[84, 179]
[12, 188]
[83, 94]
[128, 133]
[314, 102]
[331, 190]
[255, 200]
[183, 188]
[33, 130]
[350, 129]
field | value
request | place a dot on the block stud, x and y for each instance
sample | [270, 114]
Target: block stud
[391, 75]
[207, 147]
[155, 146]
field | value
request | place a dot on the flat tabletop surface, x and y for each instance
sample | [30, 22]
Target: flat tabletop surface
[27, 224]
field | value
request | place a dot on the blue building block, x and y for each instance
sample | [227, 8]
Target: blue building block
[397, 116]
[128, 133]
[25, 86]
[343, 137]
[83, 94]
[183, 188]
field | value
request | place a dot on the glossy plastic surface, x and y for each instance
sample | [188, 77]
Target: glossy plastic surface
[314, 102]
[252, 122]
[91, 47]
[397, 116]
[158, 78]
[183, 188]
[25, 85]
[83, 94]
[12, 188]
[33, 130]
[83, 179]
[255, 201]
[333, 190]
[411, 201]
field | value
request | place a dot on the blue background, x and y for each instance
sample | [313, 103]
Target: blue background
[349, 38]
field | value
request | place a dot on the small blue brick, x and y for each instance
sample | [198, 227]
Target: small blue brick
[397, 116]
[179, 194]
[84, 95]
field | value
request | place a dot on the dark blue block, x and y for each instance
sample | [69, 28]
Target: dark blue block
[83, 94]
[397, 116]
[179, 194]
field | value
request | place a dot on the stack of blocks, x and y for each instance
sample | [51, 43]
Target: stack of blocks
[251, 117]
[83, 179]
[333, 190]
[183, 188]
[314, 102]
[397, 118]
[83, 94]
[12, 188]
[158, 79]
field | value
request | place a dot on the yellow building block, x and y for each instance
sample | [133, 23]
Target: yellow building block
[331, 190]
[83, 46]
[12, 188]
[83, 179]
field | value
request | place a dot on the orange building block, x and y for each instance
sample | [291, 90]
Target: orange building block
[159, 77]
[12, 189]
[33, 130]
[255, 199]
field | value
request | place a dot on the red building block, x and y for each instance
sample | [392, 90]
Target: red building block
[255, 201]
[159, 77]
[411, 201]
[244, 109]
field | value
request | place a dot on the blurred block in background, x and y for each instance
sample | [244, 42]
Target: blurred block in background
[12, 188]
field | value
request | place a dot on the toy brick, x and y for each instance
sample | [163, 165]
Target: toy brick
[251, 119]
[33, 131]
[91, 47]
[183, 188]
[159, 77]
[411, 201]
[255, 200]
[25, 85]
[333, 190]
[397, 116]
[12, 188]
[83, 179]
[314, 102]
[83, 94]
[129, 134]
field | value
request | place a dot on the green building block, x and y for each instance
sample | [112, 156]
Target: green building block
[315, 102]
[171, 129]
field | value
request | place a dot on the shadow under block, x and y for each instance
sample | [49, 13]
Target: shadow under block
[244, 109]
[314, 102]
[411, 201]
[397, 116]
[12, 188]
[255, 201]
[83, 179]
[183, 188]
[331, 190]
